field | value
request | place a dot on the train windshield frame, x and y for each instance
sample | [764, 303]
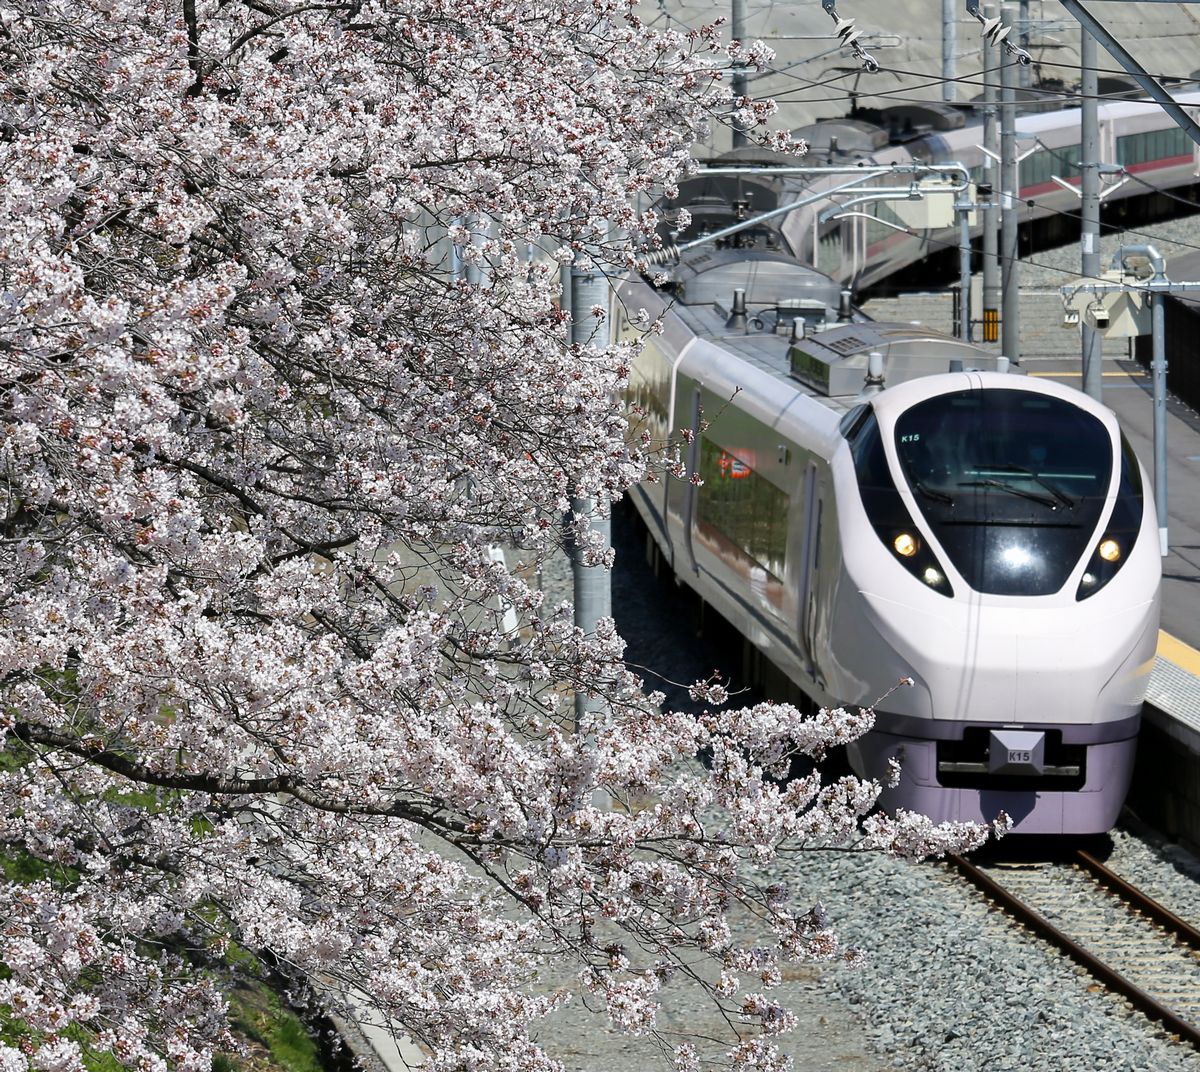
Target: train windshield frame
[1013, 483]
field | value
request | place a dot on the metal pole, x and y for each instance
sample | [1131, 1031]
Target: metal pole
[991, 263]
[1092, 342]
[592, 584]
[475, 274]
[1026, 71]
[948, 49]
[1010, 264]
[964, 271]
[738, 83]
[1158, 368]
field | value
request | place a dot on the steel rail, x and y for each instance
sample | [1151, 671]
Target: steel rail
[1134, 897]
[1111, 978]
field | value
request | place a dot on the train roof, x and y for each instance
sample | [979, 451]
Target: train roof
[709, 276]
[835, 362]
[1108, 110]
[830, 363]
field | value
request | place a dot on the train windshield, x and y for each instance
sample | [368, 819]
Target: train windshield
[1013, 484]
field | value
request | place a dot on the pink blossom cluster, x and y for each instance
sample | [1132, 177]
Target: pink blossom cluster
[282, 356]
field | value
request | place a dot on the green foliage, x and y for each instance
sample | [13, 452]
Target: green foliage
[275, 1038]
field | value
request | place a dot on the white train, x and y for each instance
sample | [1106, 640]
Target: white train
[863, 519]
[874, 242]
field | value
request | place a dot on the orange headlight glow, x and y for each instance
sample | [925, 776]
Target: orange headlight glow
[1110, 550]
[906, 545]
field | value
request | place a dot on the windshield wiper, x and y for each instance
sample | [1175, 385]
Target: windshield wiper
[1012, 489]
[932, 493]
[1008, 467]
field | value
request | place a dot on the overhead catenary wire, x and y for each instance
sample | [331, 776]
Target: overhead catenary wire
[1043, 95]
[926, 79]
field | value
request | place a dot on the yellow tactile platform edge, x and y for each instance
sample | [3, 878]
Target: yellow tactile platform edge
[1176, 651]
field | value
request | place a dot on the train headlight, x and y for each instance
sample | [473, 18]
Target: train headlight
[1117, 544]
[1106, 561]
[914, 556]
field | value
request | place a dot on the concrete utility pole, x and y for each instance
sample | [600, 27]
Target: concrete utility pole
[1010, 254]
[963, 207]
[991, 263]
[1092, 341]
[1023, 40]
[948, 49]
[1158, 369]
[593, 584]
[739, 82]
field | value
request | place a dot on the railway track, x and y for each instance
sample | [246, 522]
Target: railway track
[1125, 939]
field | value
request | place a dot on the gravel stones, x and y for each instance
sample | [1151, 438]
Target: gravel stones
[951, 984]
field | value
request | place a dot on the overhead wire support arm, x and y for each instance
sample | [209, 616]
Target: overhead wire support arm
[997, 33]
[957, 177]
[848, 35]
[1136, 71]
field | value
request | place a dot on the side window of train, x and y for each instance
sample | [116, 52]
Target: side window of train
[1131, 473]
[870, 459]
[1126, 517]
[743, 506]
[851, 424]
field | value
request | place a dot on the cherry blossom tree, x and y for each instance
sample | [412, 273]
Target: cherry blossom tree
[281, 359]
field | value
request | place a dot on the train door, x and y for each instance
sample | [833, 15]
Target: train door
[809, 560]
[693, 466]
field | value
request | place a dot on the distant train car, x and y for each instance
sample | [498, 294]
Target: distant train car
[874, 242]
[874, 502]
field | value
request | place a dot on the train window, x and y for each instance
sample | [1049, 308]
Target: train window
[1012, 482]
[829, 252]
[878, 229]
[854, 419]
[1153, 145]
[1045, 163]
[743, 506]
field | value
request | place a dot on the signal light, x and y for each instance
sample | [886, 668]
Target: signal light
[905, 545]
[1109, 550]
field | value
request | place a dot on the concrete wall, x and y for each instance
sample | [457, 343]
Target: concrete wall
[1166, 780]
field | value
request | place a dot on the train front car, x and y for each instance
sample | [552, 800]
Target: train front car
[999, 549]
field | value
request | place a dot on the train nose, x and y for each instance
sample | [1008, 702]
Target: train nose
[1005, 665]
